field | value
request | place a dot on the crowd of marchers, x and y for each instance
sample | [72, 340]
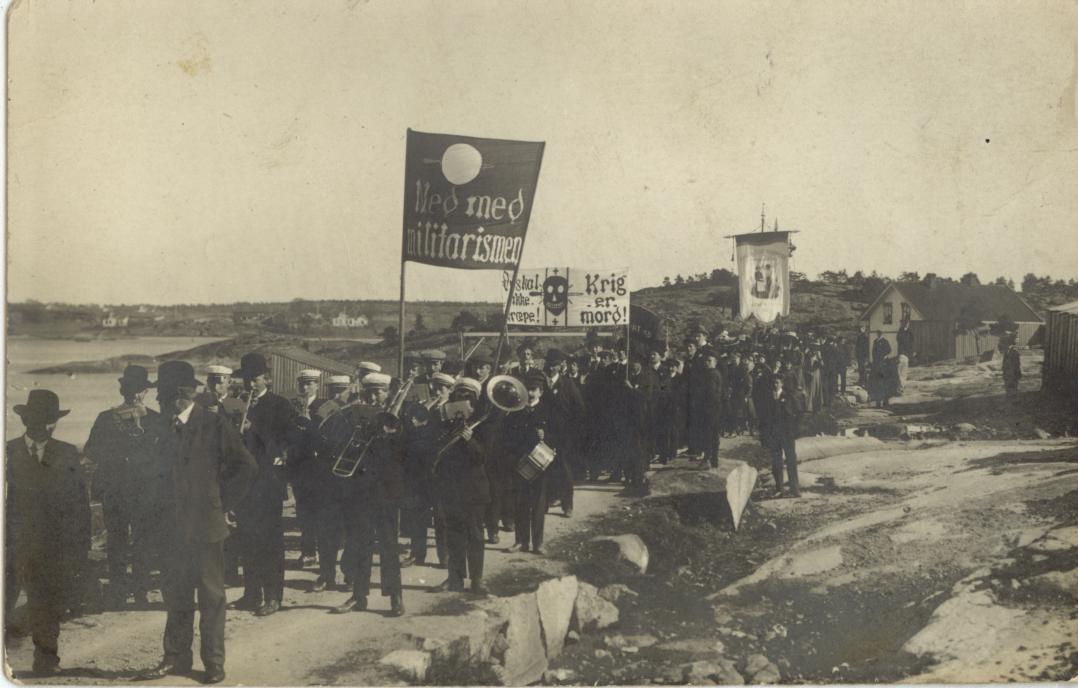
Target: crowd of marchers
[449, 456]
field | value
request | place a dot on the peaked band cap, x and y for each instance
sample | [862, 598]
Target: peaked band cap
[443, 379]
[470, 384]
[376, 381]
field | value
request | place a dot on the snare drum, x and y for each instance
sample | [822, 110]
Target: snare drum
[536, 461]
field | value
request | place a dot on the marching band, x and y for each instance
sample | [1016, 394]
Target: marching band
[450, 447]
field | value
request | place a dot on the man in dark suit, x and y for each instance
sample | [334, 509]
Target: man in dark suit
[463, 484]
[904, 338]
[302, 470]
[781, 413]
[713, 390]
[328, 492]
[48, 523]
[270, 427]
[127, 478]
[208, 471]
[373, 494]
[698, 414]
[566, 412]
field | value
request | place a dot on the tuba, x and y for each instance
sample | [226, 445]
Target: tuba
[506, 393]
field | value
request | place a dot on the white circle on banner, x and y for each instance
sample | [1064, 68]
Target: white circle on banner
[461, 163]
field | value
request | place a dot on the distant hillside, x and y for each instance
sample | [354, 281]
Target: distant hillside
[834, 307]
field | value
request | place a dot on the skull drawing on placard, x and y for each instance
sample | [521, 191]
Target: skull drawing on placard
[556, 294]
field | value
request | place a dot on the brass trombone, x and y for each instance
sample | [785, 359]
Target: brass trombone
[352, 454]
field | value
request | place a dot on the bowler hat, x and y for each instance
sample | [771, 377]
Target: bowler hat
[554, 357]
[42, 404]
[174, 374]
[252, 365]
[480, 358]
[137, 378]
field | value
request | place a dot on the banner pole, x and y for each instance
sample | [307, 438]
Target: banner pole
[400, 328]
[505, 320]
[628, 337]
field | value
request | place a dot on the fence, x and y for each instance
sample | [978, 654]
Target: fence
[1060, 372]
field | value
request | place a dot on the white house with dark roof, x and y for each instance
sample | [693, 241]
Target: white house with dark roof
[936, 310]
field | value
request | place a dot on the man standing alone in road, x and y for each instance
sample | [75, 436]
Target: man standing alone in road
[208, 471]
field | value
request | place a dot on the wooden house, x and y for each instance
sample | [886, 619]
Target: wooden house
[949, 320]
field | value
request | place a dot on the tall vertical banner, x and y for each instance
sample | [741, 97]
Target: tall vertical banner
[467, 200]
[763, 272]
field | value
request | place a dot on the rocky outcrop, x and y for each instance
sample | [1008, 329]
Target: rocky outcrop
[510, 639]
[412, 665]
[556, 599]
[630, 548]
[592, 612]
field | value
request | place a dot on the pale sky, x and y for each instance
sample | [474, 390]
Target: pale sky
[206, 151]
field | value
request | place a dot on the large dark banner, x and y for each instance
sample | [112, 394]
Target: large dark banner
[467, 200]
[644, 327]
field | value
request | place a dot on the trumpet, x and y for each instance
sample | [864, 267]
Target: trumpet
[434, 403]
[352, 454]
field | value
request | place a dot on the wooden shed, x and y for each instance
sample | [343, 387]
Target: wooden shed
[286, 362]
[1060, 371]
[935, 308]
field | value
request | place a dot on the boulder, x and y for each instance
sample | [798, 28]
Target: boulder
[525, 658]
[592, 611]
[454, 638]
[630, 548]
[556, 599]
[559, 676]
[1064, 581]
[761, 670]
[411, 664]
[1044, 435]
[615, 591]
[721, 671]
[965, 428]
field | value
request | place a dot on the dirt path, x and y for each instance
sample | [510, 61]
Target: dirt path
[303, 643]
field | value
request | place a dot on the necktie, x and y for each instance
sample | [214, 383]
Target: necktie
[39, 453]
